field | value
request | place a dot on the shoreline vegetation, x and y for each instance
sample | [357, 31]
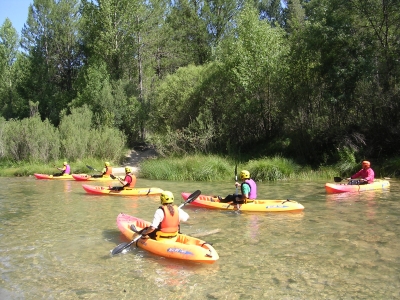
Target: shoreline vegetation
[203, 168]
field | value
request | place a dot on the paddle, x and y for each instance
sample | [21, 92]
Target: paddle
[91, 168]
[236, 179]
[121, 247]
[116, 177]
[338, 179]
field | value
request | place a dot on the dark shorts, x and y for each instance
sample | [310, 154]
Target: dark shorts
[237, 199]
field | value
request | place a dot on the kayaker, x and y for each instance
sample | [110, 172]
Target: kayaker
[128, 181]
[166, 220]
[248, 188]
[65, 170]
[366, 174]
[106, 172]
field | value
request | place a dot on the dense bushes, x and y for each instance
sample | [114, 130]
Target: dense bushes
[34, 140]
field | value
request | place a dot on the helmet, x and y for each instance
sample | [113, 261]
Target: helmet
[107, 164]
[65, 163]
[128, 170]
[166, 197]
[244, 174]
[366, 163]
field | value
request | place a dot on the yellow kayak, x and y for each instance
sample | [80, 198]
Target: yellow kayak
[256, 205]
[46, 176]
[104, 190]
[86, 177]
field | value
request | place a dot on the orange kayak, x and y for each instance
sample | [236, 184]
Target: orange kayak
[184, 248]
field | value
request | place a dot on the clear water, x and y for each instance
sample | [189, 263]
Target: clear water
[55, 243]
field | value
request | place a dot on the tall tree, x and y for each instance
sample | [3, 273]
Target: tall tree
[50, 37]
[9, 99]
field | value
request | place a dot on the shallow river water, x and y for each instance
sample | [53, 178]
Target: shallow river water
[55, 243]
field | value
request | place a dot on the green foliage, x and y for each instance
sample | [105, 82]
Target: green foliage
[30, 140]
[194, 168]
[217, 168]
[33, 140]
[79, 140]
[268, 169]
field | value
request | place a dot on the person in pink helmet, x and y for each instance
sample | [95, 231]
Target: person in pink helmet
[365, 175]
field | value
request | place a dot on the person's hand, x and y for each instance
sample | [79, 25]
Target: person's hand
[237, 184]
[144, 236]
[348, 178]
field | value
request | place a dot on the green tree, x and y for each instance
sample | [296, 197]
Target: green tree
[51, 41]
[9, 40]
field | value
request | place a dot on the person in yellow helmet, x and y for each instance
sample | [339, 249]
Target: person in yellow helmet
[106, 172]
[166, 220]
[129, 180]
[366, 174]
[65, 170]
[248, 188]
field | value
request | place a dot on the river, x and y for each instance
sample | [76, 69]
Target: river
[55, 243]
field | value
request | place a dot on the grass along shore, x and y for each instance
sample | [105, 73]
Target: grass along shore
[201, 168]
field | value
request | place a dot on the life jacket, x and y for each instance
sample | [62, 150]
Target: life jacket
[169, 226]
[108, 172]
[67, 170]
[132, 182]
[253, 188]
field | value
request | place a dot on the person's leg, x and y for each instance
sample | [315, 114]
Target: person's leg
[227, 199]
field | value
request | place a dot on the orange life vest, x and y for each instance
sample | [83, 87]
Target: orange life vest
[170, 224]
[108, 172]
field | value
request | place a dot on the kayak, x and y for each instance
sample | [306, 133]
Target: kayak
[256, 205]
[184, 248]
[104, 190]
[46, 176]
[86, 177]
[378, 184]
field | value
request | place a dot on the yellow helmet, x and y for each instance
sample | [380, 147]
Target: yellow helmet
[244, 174]
[65, 163]
[166, 197]
[107, 164]
[128, 170]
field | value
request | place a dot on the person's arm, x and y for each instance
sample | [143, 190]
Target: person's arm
[183, 216]
[370, 175]
[358, 174]
[126, 181]
[157, 219]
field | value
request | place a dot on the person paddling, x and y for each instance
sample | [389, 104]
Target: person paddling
[106, 172]
[128, 182]
[248, 189]
[366, 174]
[166, 220]
[65, 170]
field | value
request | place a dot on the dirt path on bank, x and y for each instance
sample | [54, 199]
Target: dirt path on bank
[134, 157]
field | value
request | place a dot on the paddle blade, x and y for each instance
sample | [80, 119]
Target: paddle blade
[337, 179]
[123, 246]
[112, 176]
[119, 248]
[191, 198]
